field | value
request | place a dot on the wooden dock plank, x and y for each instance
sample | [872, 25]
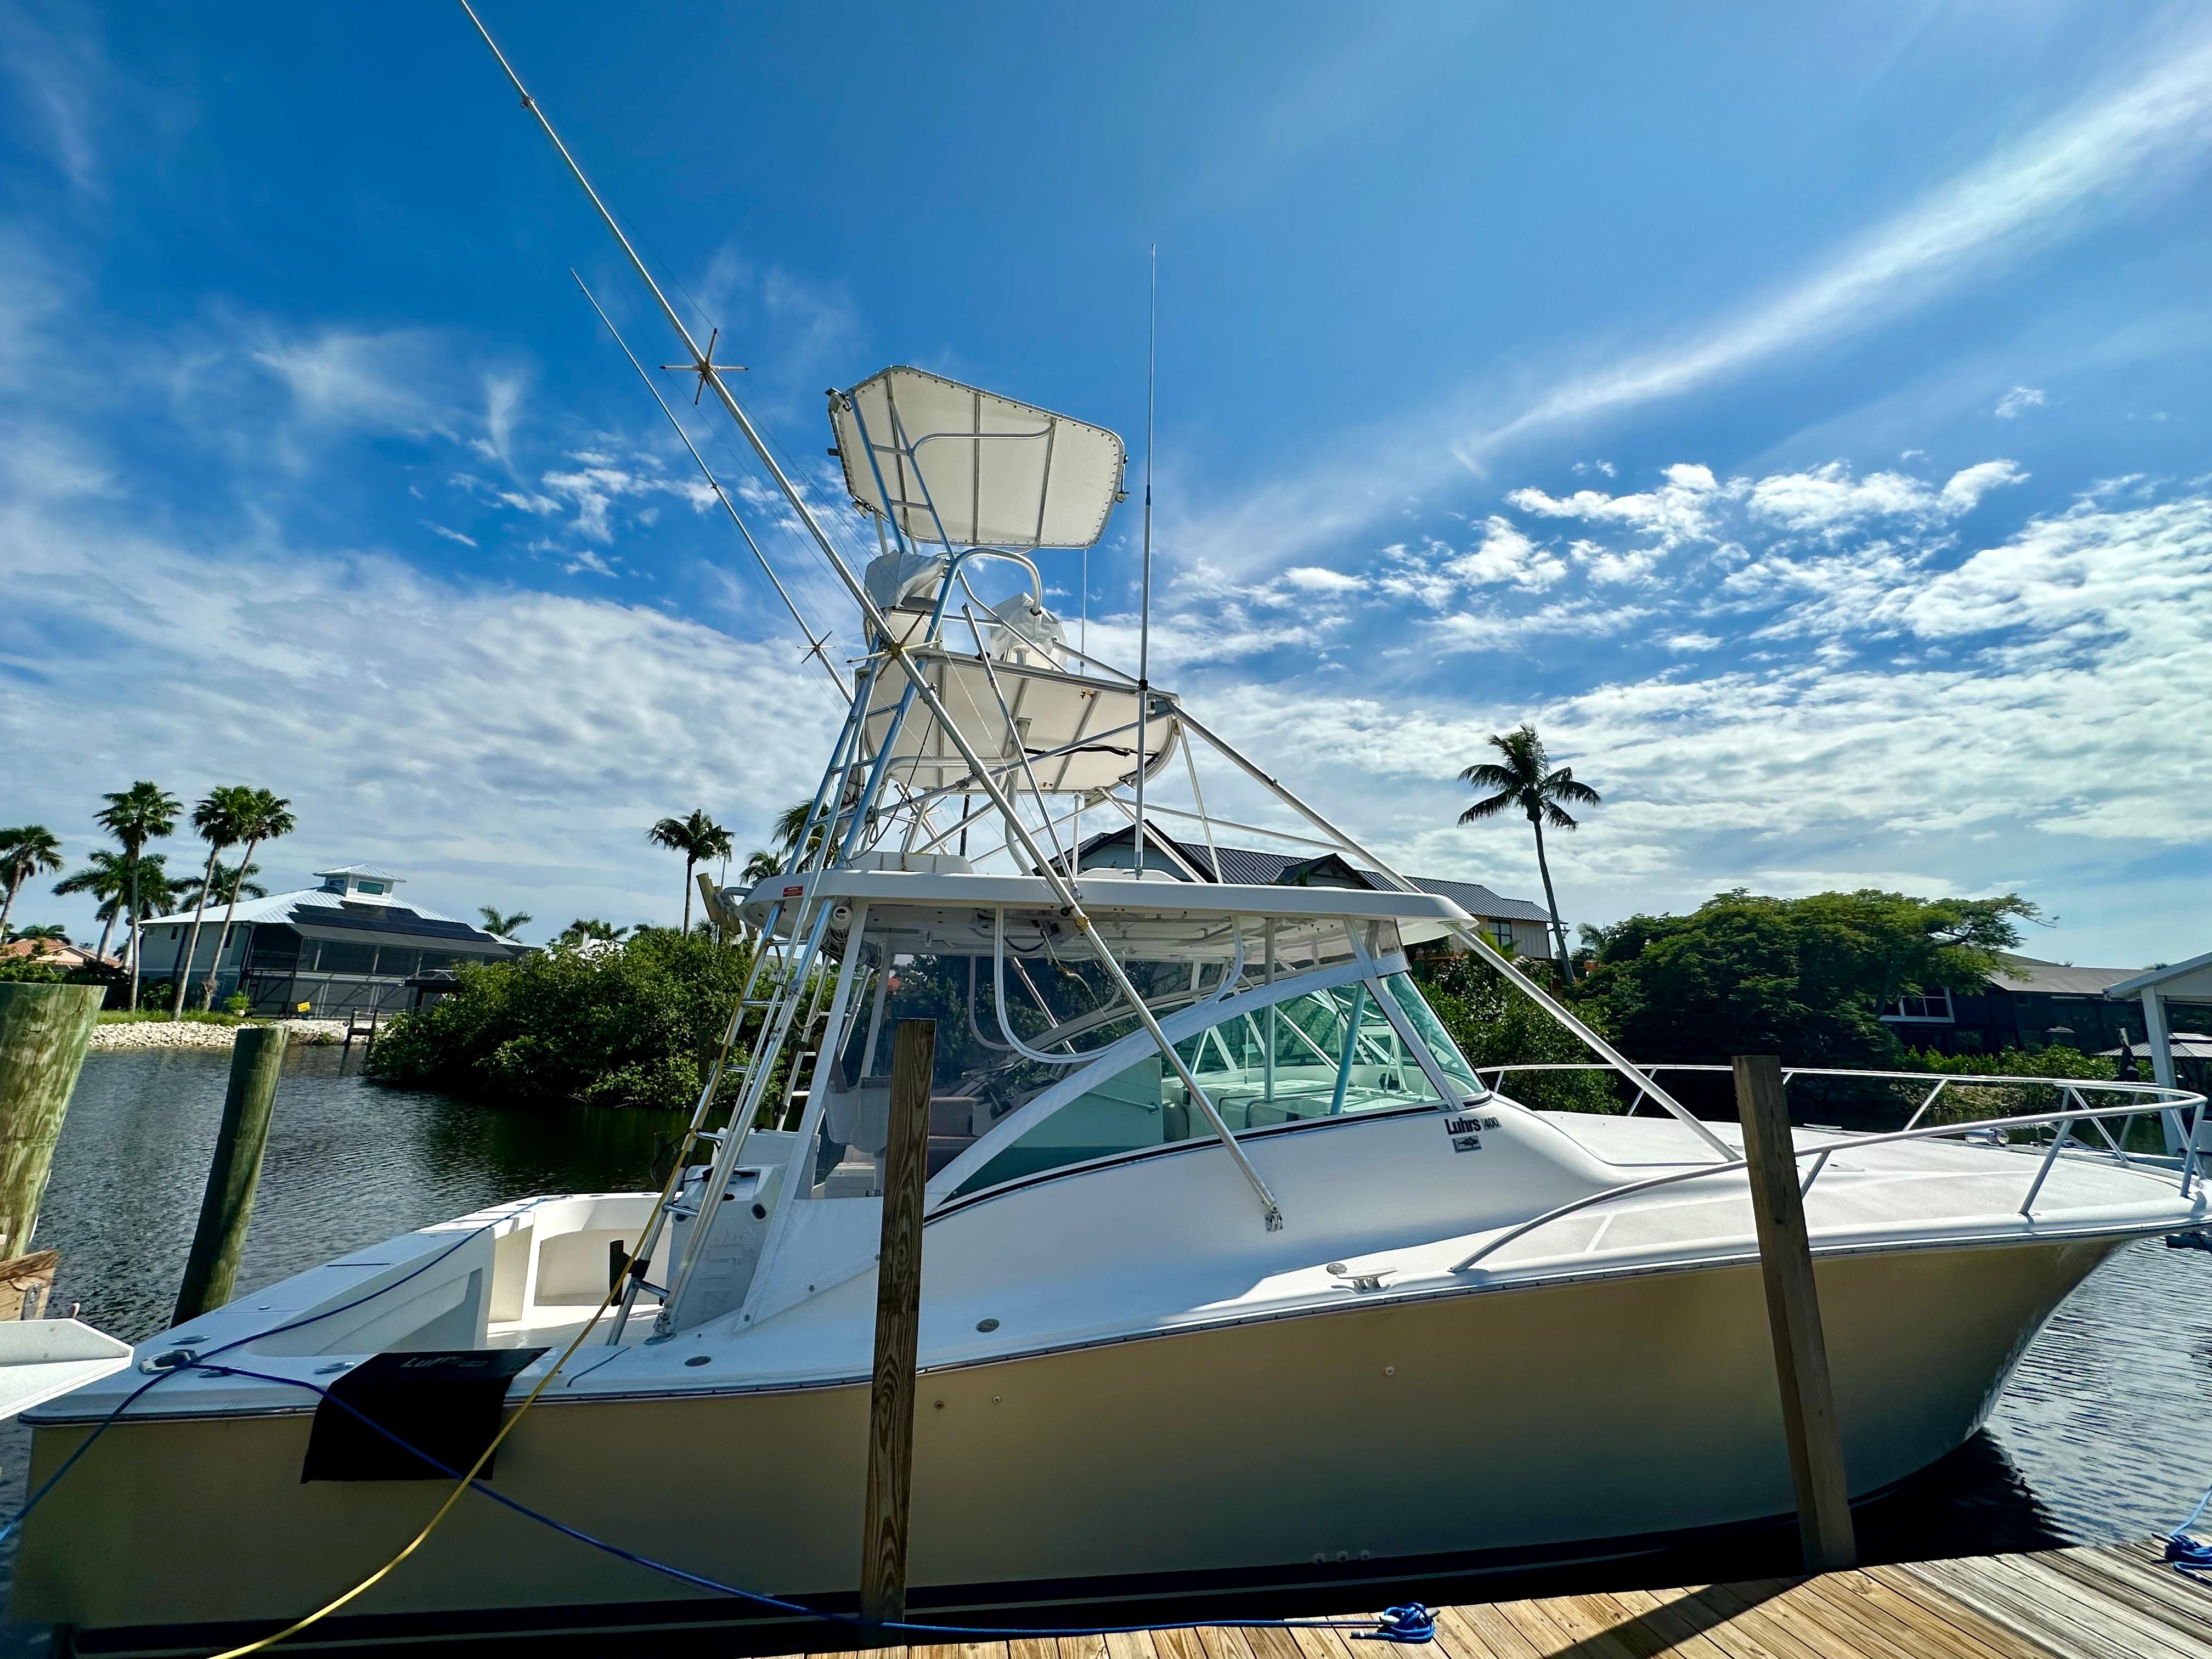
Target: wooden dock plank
[1575, 1627]
[2110, 1602]
[2111, 1605]
[1933, 1635]
[2148, 1584]
[1875, 1632]
[1318, 1641]
[1270, 1643]
[1169, 1644]
[1750, 1608]
[1222, 1642]
[1933, 1598]
[2027, 1611]
[1669, 1621]
[1497, 1634]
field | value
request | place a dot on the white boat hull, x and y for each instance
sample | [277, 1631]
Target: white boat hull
[1513, 1423]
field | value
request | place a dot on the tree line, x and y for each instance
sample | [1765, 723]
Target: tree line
[132, 883]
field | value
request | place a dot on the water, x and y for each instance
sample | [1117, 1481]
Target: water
[2094, 1440]
[348, 1164]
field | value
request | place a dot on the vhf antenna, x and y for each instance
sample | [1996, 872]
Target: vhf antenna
[1144, 601]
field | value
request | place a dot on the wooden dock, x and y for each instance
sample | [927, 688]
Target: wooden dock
[2116, 1601]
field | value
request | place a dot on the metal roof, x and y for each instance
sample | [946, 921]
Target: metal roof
[391, 919]
[1248, 868]
[2015, 973]
[2184, 1045]
[370, 872]
[279, 907]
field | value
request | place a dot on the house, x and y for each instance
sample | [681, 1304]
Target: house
[54, 953]
[2031, 1003]
[348, 943]
[1508, 923]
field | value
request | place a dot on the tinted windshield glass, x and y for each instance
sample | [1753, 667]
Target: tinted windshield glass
[1325, 1053]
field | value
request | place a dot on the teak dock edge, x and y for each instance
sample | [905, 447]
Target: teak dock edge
[2112, 1602]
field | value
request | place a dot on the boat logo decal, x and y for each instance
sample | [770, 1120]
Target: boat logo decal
[1466, 1131]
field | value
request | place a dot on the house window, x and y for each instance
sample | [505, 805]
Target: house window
[371, 887]
[1928, 1008]
[1501, 934]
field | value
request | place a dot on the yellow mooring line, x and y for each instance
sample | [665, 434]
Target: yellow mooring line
[476, 1469]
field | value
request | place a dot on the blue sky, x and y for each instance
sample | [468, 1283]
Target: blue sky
[1802, 419]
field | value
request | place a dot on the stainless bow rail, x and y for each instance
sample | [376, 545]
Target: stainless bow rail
[2170, 1103]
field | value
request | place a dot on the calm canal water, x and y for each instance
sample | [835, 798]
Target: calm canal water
[2094, 1440]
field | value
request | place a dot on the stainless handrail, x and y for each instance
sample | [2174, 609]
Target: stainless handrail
[2163, 1100]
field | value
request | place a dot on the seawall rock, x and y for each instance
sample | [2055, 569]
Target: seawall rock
[199, 1034]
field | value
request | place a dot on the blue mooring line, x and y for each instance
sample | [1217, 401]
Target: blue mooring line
[1410, 1623]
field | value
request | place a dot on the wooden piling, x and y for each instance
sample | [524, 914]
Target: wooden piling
[1793, 1309]
[898, 1327]
[227, 1206]
[43, 1032]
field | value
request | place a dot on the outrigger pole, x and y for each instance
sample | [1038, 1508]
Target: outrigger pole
[1064, 893]
[918, 686]
[815, 641]
[1144, 602]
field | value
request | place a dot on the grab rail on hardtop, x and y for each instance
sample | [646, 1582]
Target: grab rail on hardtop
[2164, 1102]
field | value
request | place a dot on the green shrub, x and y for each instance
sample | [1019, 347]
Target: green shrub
[1495, 1024]
[1967, 1103]
[635, 1027]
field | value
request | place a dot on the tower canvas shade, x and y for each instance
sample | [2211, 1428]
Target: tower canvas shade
[999, 473]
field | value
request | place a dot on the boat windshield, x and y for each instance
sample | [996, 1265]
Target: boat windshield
[1328, 1053]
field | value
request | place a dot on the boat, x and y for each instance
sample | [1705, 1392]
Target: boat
[1235, 1272]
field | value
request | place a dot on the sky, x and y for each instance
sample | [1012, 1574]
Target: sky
[1800, 418]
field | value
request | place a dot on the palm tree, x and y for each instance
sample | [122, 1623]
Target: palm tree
[229, 879]
[106, 876]
[143, 812]
[1527, 781]
[586, 929]
[221, 820]
[265, 817]
[504, 925]
[791, 823]
[51, 930]
[699, 838]
[31, 850]
[760, 867]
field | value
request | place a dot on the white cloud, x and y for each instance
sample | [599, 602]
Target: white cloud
[450, 535]
[1692, 642]
[2020, 396]
[344, 377]
[587, 560]
[1682, 510]
[2025, 192]
[2095, 158]
[1505, 555]
[1966, 488]
[62, 80]
[1828, 498]
[1315, 579]
[497, 746]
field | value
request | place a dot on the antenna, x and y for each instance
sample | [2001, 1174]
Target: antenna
[815, 641]
[1144, 601]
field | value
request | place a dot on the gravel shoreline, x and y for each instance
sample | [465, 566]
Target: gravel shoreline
[199, 1034]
